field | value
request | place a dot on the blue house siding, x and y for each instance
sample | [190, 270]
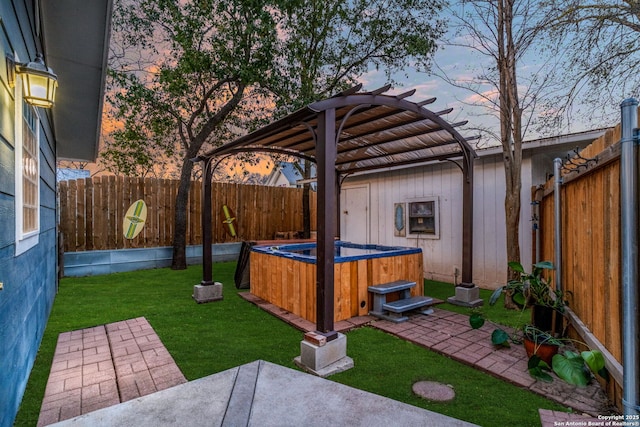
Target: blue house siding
[29, 279]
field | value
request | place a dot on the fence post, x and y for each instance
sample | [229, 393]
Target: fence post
[557, 219]
[629, 230]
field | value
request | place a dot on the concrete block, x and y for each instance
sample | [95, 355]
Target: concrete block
[466, 297]
[207, 293]
[318, 357]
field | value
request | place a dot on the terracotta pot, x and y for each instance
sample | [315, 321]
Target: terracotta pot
[543, 351]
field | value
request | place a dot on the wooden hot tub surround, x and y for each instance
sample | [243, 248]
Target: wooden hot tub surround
[288, 279]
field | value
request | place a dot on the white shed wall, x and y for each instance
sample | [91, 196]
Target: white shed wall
[444, 180]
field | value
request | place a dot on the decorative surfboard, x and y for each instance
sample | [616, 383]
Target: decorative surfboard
[228, 219]
[134, 219]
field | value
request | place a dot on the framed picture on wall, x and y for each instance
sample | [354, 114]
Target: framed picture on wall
[423, 218]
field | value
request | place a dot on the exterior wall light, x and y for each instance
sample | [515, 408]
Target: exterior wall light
[39, 82]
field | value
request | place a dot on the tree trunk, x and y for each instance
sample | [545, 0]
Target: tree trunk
[512, 207]
[512, 216]
[179, 261]
[510, 134]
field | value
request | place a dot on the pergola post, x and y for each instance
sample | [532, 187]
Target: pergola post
[207, 290]
[326, 222]
[467, 293]
[207, 227]
[467, 223]
[324, 352]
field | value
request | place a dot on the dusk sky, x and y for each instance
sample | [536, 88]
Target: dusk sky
[460, 63]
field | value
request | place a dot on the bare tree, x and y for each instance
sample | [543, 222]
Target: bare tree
[502, 32]
[602, 67]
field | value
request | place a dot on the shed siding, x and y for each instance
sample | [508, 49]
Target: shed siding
[29, 279]
[444, 180]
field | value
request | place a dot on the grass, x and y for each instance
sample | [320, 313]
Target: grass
[208, 338]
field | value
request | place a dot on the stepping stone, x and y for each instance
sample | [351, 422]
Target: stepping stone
[434, 391]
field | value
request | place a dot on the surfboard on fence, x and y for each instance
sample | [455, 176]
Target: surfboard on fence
[134, 219]
[229, 219]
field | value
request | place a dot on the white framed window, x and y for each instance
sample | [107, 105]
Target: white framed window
[27, 173]
[424, 218]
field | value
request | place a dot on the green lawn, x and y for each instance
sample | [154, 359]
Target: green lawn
[208, 338]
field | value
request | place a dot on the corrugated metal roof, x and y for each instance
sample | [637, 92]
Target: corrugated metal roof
[374, 131]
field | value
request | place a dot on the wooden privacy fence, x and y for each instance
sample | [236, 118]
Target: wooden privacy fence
[591, 249]
[92, 211]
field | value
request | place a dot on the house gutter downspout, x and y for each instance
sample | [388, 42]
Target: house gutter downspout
[557, 217]
[629, 238]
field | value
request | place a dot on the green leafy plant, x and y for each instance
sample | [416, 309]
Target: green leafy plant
[531, 288]
[539, 369]
[476, 319]
[500, 338]
[539, 336]
[575, 368]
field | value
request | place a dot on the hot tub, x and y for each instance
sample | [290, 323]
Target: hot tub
[285, 275]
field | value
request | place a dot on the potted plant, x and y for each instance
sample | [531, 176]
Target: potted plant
[540, 343]
[536, 341]
[572, 367]
[542, 338]
[533, 290]
[545, 355]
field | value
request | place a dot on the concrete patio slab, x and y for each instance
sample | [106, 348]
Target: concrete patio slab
[262, 394]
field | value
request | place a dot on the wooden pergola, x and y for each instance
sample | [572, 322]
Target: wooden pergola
[349, 133]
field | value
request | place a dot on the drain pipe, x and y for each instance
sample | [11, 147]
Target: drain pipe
[629, 230]
[557, 219]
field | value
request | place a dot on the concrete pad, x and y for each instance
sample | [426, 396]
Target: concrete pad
[434, 391]
[466, 297]
[197, 403]
[314, 401]
[338, 366]
[280, 397]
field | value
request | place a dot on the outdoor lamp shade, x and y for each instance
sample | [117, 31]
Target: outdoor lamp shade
[39, 83]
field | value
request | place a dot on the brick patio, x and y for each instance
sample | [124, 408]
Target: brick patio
[98, 367]
[449, 333]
